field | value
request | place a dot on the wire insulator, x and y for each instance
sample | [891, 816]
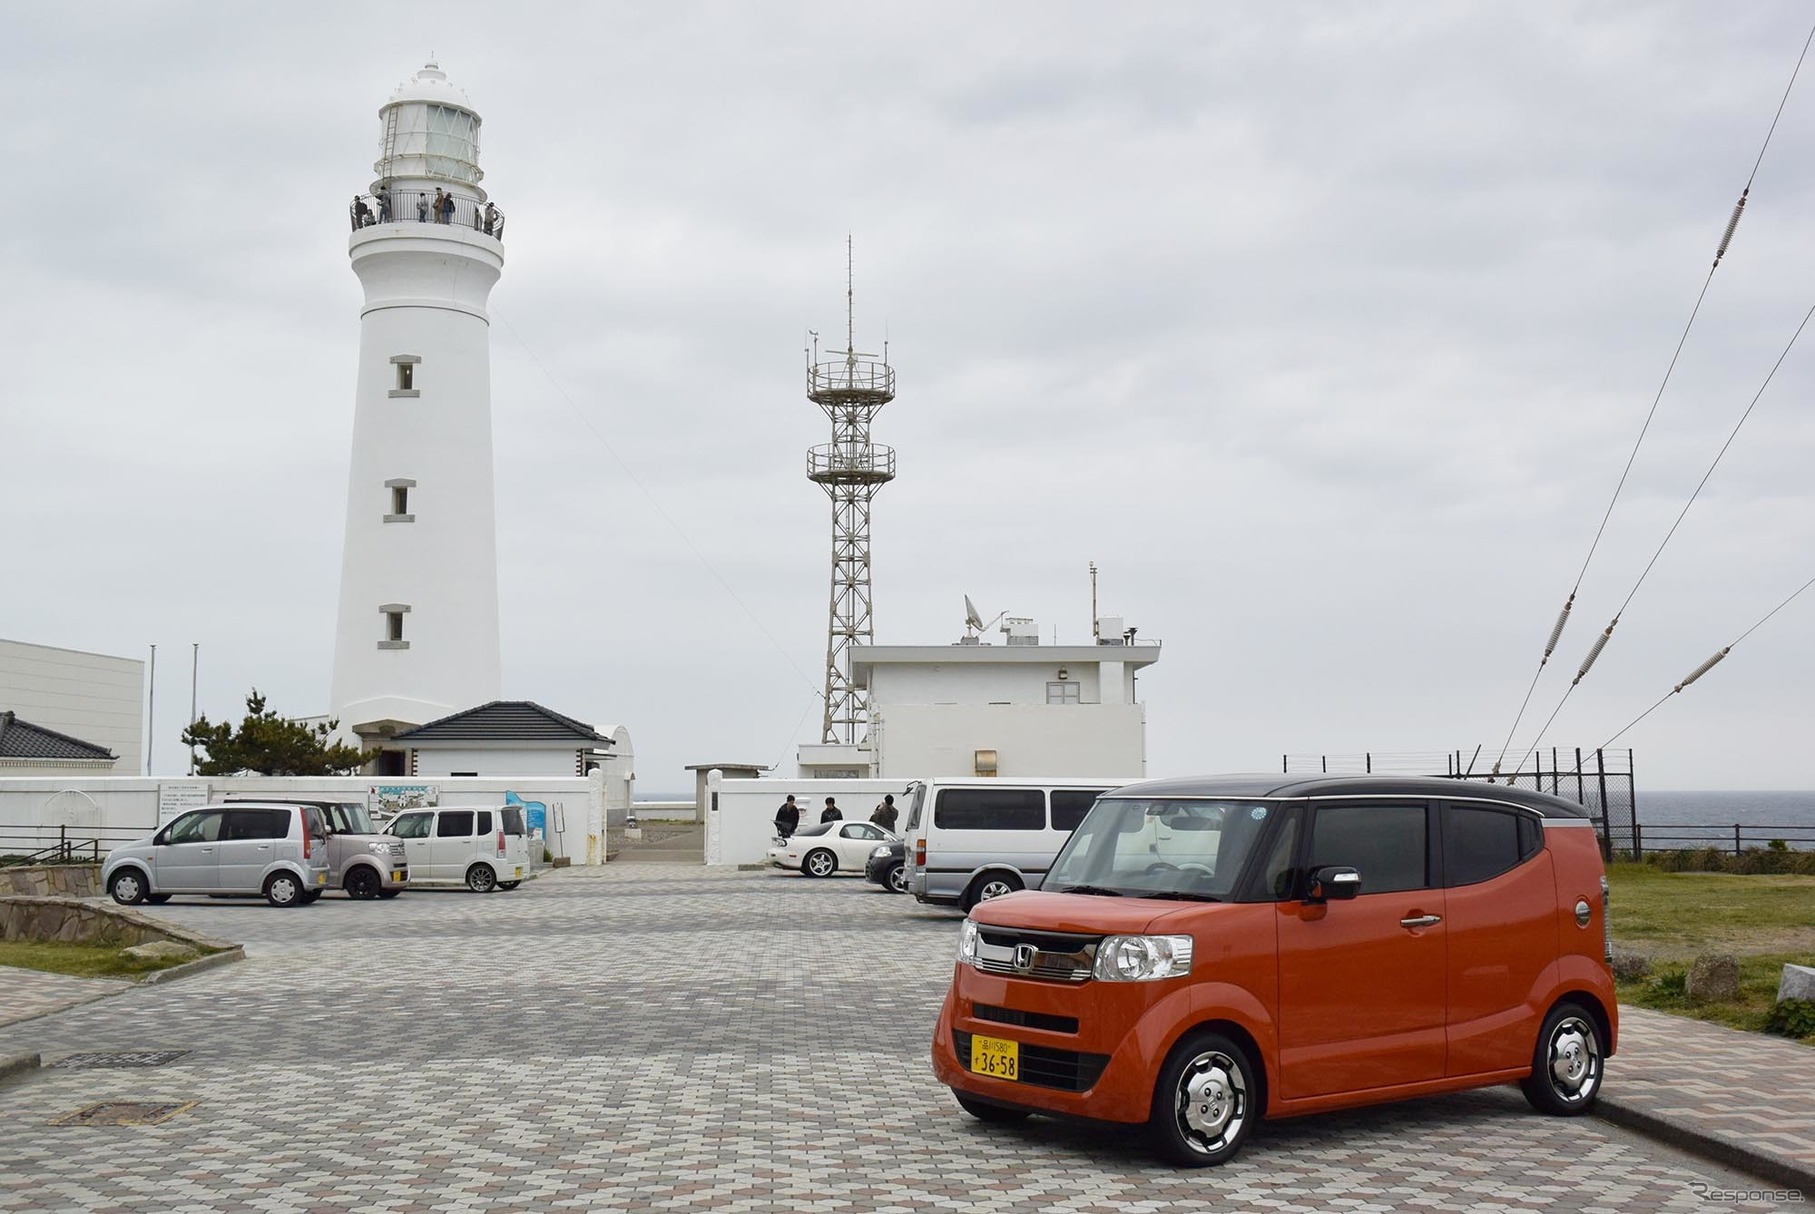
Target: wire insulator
[1600, 643]
[1557, 630]
[1704, 668]
[1727, 236]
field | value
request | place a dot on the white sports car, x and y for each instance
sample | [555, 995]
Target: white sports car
[824, 848]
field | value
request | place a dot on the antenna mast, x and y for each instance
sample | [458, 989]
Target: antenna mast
[851, 469]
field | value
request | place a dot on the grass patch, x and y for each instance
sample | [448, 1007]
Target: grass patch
[1764, 921]
[81, 960]
[1664, 991]
[1674, 916]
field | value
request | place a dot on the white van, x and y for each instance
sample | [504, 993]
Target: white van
[483, 848]
[969, 840]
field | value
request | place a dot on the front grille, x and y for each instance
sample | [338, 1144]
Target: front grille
[1055, 957]
[1021, 1019]
[1066, 1070]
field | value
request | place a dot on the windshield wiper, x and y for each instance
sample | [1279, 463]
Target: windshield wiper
[1177, 895]
[1090, 889]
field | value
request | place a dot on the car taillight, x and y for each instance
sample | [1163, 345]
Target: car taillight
[919, 853]
[500, 843]
[307, 839]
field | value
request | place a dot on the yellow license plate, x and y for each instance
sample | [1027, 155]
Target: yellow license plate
[517, 871]
[399, 876]
[995, 1056]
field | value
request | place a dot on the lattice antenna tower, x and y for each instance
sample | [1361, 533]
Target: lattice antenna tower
[850, 388]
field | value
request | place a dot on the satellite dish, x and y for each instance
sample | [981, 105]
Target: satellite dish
[972, 619]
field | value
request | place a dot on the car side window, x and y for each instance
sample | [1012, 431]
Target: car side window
[411, 826]
[1280, 878]
[990, 809]
[1386, 844]
[256, 824]
[454, 824]
[861, 830]
[1069, 805]
[485, 822]
[202, 827]
[1479, 843]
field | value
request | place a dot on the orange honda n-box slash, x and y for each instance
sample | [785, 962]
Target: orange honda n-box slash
[1204, 953]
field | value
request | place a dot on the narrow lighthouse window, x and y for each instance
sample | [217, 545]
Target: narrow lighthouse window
[400, 501]
[404, 373]
[393, 626]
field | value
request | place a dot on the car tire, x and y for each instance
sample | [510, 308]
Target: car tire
[1566, 1064]
[284, 889]
[1205, 1103]
[987, 886]
[819, 863]
[481, 879]
[895, 880]
[127, 887]
[362, 882]
[986, 1110]
[509, 885]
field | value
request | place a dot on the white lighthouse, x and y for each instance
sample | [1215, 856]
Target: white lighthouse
[417, 636]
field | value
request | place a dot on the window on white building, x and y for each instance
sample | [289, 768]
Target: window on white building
[400, 501]
[393, 626]
[1065, 693]
[403, 369]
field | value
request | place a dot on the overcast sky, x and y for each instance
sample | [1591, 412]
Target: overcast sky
[1324, 330]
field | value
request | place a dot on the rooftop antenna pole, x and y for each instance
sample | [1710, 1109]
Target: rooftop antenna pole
[151, 711]
[1096, 632]
[195, 660]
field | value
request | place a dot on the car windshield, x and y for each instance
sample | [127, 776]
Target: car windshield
[350, 818]
[1165, 847]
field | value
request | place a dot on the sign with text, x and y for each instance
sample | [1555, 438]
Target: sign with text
[177, 798]
[393, 799]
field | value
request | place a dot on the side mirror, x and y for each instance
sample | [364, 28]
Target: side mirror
[1333, 883]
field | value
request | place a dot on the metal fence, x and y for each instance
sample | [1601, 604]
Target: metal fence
[58, 845]
[1601, 781]
[418, 206]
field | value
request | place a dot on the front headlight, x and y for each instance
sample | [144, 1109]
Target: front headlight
[967, 943]
[879, 852]
[379, 848]
[1142, 958]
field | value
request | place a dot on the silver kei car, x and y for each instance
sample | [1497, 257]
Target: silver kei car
[268, 848]
[361, 861]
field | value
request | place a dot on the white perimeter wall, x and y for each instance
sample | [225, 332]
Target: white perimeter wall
[90, 696]
[117, 810]
[1100, 740]
[741, 828]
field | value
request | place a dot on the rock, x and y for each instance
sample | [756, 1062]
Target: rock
[161, 950]
[1798, 982]
[1628, 965]
[1713, 978]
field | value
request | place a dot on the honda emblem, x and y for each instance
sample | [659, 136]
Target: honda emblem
[1024, 956]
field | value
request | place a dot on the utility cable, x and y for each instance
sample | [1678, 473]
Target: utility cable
[1720, 252]
[631, 475]
[1708, 665]
[1600, 642]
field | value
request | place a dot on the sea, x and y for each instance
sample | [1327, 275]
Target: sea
[1685, 818]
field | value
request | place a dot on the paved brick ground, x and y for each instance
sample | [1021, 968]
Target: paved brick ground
[656, 1038]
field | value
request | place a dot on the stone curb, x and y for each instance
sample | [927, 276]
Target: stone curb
[1767, 1166]
[211, 961]
[17, 1066]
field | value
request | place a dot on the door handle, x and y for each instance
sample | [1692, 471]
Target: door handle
[1421, 921]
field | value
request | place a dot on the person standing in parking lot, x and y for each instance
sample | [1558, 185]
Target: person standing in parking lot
[831, 813]
[787, 818]
[884, 814]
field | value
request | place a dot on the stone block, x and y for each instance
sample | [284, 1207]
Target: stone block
[161, 950]
[1628, 965]
[1797, 982]
[1713, 978]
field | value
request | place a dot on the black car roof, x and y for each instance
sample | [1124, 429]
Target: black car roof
[1285, 786]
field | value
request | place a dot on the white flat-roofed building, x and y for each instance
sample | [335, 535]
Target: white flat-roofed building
[1019, 709]
[92, 700]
